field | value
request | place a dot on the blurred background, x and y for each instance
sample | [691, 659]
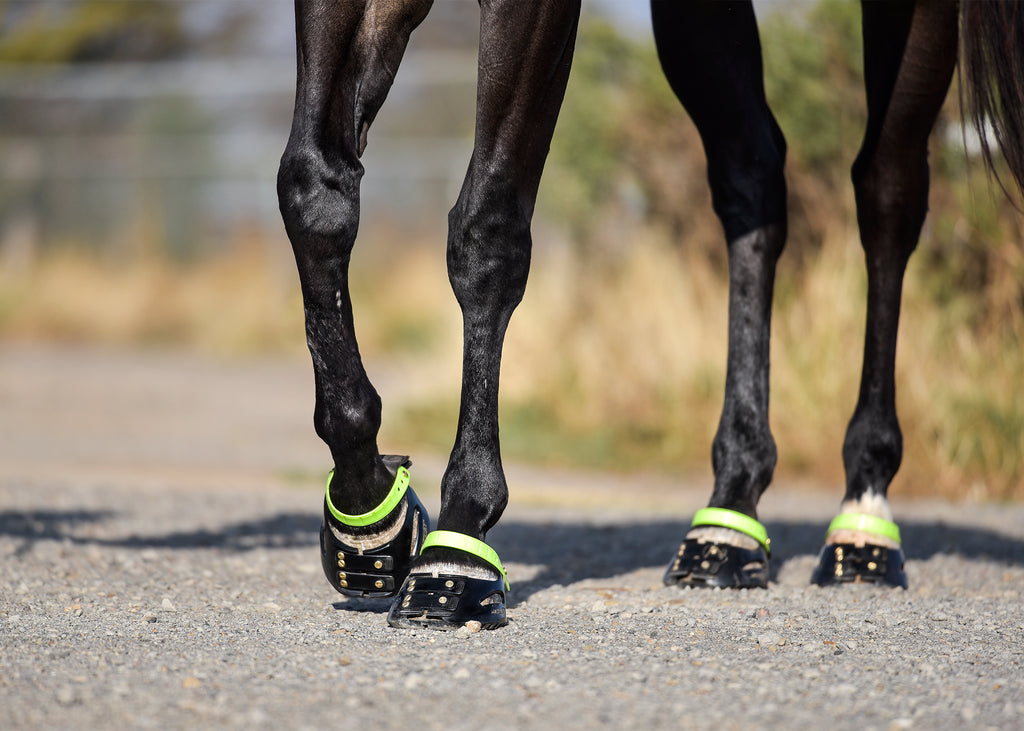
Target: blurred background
[139, 144]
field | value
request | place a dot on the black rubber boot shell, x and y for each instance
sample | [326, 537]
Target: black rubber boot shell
[845, 563]
[380, 571]
[718, 565]
[447, 602]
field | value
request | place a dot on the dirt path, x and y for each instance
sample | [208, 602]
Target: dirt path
[158, 567]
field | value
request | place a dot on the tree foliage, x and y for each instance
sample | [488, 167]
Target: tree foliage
[626, 155]
[90, 30]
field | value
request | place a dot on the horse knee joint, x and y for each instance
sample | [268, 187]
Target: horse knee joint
[748, 184]
[892, 200]
[489, 251]
[319, 202]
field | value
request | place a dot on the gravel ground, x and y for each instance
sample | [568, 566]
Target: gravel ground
[159, 568]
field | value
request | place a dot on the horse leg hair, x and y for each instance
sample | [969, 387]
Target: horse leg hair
[525, 56]
[910, 52]
[348, 53]
[711, 55]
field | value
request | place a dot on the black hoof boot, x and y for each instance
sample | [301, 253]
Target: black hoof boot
[449, 601]
[718, 565]
[706, 563]
[849, 563]
[376, 571]
[845, 563]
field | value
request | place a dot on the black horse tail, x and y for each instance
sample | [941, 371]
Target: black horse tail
[992, 65]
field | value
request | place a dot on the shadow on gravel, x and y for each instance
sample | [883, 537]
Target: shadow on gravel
[570, 552]
[85, 527]
[564, 552]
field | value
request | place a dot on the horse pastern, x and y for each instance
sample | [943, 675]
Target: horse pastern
[722, 536]
[870, 503]
[860, 539]
[375, 535]
[425, 567]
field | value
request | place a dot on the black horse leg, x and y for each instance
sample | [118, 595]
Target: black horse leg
[711, 54]
[525, 55]
[348, 53]
[909, 55]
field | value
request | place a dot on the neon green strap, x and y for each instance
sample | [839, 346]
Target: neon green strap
[865, 524]
[467, 544]
[381, 511]
[724, 518]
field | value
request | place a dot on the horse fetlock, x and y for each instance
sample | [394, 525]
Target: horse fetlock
[344, 426]
[872, 453]
[743, 470]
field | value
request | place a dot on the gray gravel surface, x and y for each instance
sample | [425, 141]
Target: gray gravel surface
[159, 568]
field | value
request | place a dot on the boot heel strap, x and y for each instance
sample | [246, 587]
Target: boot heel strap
[378, 513]
[466, 544]
[865, 524]
[724, 518]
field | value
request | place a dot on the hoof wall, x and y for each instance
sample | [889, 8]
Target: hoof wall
[718, 565]
[447, 602]
[845, 563]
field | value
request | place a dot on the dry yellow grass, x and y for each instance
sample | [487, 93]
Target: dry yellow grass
[234, 303]
[619, 365]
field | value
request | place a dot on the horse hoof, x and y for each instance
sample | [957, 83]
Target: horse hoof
[448, 602]
[377, 571]
[718, 565]
[845, 563]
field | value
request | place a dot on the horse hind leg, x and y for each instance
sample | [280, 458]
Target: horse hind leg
[910, 51]
[711, 55]
[347, 55]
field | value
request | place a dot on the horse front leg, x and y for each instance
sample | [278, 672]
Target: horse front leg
[525, 56]
[909, 54]
[347, 53]
[711, 55]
